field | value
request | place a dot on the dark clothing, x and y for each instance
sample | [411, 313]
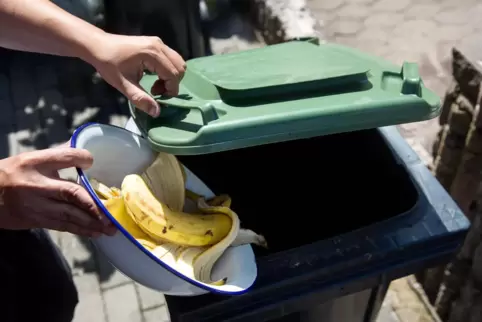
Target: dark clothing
[37, 281]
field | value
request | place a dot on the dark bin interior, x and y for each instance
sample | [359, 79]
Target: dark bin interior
[299, 192]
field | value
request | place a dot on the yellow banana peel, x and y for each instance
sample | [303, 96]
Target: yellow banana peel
[149, 207]
[165, 178]
[167, 226]
[112, 200]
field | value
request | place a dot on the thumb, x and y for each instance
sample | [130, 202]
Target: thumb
[140, 98]
[64, 157]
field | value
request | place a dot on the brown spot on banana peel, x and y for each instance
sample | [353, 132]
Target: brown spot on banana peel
[164, 230]
[209, 233]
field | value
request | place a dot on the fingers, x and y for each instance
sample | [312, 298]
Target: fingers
[75, 194]
[67, 217]
[176, 60]
[172, 87]
[53, 224]
[167, 64]
[59, 158]
[140, 98]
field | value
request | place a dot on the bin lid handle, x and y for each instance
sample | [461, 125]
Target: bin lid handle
[184, 101]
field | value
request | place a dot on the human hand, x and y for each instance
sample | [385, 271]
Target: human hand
[32, 195]
[121, 61]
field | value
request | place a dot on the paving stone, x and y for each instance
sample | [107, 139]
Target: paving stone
[159, 314]
[326, 5]
[422, 10]
[469, 40]
[109, 276]
[453, 16]
[403, 48]
[87, 115]
[374, 47]
[79, 253]
[91, 303]
[365, 2]
[122, 304]
[386, 314]
[149, 298]
[118, 120]
[406, 302]
[355, 11]
[373, 33]
[24, 141]
[376, 20]
[415, 27]
[401, 56]
[56, 236]
[68, 174]
[390, 5]
[346, 40]
[345, 27]
[452, 33]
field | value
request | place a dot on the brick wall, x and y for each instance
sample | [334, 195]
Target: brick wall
[456, 289]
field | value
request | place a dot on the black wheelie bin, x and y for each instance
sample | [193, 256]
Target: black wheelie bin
[302, 137]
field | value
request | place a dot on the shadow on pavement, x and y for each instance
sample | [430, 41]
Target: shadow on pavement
[96, 263]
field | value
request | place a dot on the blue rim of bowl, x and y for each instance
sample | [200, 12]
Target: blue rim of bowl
[99, 204]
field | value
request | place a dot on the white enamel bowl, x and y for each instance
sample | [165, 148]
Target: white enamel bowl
[118, 152]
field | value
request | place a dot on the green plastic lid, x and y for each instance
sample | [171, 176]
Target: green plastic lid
[287, 91]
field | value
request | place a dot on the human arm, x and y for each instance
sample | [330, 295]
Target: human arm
[41, 26]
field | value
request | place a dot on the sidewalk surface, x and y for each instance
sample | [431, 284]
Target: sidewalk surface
[42, 110]
[421, 31]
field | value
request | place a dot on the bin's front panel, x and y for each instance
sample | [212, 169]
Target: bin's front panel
[347, 263]
[283, 92]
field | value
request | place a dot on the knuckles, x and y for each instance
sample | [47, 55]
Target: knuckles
[69, 192]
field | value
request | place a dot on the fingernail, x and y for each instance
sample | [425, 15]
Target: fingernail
[154, 111]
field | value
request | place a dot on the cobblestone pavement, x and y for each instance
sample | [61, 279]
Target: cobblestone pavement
[44, 98]
[422, 31]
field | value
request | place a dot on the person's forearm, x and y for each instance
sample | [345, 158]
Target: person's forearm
[41, 26]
